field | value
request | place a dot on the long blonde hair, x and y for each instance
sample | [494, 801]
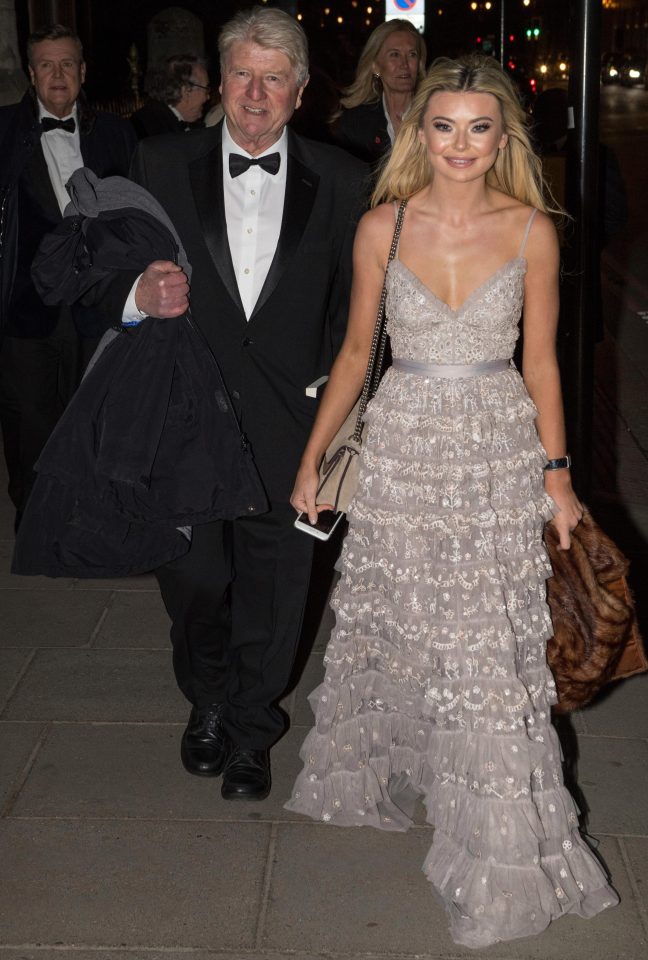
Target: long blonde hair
[517, 170]
[364, 88]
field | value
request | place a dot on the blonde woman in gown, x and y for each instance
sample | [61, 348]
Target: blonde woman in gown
[436, 677]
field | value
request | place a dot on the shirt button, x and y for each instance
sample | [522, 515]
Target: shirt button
[247, 270]
[248, 342]
[253, 193]
[236, 395]
[249, 229]
[251, 509]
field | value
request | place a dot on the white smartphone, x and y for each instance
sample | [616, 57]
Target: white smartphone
[327, 521]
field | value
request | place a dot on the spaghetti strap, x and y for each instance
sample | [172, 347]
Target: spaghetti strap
[526, 232]
[396, 206]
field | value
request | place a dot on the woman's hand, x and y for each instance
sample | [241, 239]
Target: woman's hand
[570, 509]
[305, 491]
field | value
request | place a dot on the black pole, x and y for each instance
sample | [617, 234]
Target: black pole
[581, 293]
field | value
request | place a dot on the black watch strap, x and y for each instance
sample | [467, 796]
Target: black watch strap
[561, 463]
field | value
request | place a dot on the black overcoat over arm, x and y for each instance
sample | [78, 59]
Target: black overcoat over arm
[30, 208]
[298, 322]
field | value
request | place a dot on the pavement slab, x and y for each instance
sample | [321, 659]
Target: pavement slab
[134, 771]
[613, 777]
[138, 953]
[359, 890]
[12, 664]
[95, 685]
[636, 855]
[17, 742]
[352, 891]
[622, 711]
[49, 618]
[86, 883]
[135, 619]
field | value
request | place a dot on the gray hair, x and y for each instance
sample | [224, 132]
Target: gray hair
[269, 28]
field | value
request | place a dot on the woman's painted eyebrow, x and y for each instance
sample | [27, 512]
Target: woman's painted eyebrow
[474, 120]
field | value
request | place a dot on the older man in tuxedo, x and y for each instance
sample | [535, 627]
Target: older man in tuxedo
[43, 140]
[267, 219]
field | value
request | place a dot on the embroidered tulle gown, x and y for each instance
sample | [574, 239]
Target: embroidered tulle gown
[436, 678]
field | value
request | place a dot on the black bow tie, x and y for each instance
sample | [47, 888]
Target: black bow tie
[239, 164]
[50, 123]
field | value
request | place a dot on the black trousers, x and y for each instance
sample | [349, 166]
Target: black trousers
[236, 601]
[37, 379]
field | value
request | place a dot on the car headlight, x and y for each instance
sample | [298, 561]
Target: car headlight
[634, 74]
[613, 72]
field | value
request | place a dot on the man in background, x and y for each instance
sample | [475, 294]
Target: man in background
[43, 139]
[178, 89]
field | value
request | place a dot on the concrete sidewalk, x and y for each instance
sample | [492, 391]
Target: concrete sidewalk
[109, 851]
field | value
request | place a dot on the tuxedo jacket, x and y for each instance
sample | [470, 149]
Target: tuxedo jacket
[362, 131]
[107, 144]
[156, 117]
[299, 320]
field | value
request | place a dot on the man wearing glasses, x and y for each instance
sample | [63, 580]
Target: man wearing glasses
[178, 89]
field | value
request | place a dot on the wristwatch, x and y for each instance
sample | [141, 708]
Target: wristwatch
[561, 463]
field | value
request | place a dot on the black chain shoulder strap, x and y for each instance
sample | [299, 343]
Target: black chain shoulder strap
[379, 339]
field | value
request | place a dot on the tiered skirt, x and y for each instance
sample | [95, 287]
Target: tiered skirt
[436, 682]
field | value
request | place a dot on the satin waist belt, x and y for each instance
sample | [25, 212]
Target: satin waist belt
[451, 370]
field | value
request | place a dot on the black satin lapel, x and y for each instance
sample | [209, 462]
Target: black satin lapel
[206, 175]
[301, 189]
[40, 185]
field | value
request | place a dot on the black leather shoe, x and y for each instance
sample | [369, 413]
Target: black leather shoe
[205, 744]
[246, 775]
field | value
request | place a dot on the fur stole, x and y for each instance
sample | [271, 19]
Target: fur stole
[596, 638]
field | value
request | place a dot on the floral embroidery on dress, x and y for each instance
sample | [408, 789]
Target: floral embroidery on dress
[436, 675]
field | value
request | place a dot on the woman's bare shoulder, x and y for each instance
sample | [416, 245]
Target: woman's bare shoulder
[376, 227]
[543, 236]
[520, 216]
[381, 218]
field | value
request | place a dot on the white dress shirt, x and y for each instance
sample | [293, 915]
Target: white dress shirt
[62, 151]
[391, 133]
[254, 203]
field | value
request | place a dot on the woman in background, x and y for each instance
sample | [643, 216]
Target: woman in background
[390, 68]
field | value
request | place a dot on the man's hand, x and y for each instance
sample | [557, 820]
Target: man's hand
[162, 290]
